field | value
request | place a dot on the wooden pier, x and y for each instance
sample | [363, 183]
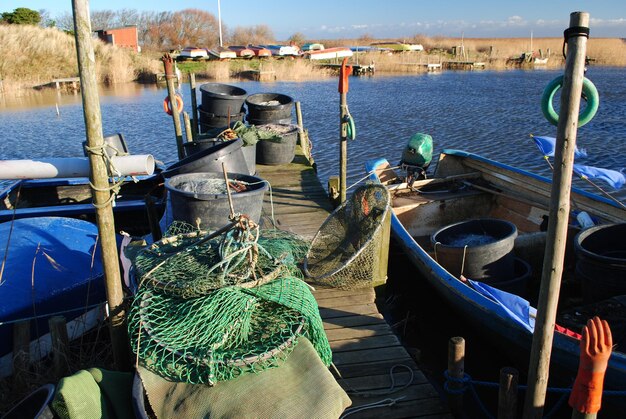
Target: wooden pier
[357, 69]
[364, 346]
[463, 65]
[67, 83]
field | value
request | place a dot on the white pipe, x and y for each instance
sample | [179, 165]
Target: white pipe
[219, 20]
[142, 164]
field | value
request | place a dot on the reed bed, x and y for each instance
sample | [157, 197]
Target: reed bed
[32, 56]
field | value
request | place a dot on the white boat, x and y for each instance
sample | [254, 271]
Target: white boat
[193, 53]
[222, 53]
[283, 50]
[328, 53]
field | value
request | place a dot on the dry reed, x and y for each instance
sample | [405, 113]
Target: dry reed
[32, 56]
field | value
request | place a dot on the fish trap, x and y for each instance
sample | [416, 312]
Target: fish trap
[345, 251]
[211, 307]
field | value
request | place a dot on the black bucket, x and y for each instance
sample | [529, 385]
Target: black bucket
[222, 99]
[283, 152]
[518, 283]
[208, 120]
[35, 405]
[193, 147]
[479, 249]
[212, 209]
[601, 261]
[269, 108]
[211, 159]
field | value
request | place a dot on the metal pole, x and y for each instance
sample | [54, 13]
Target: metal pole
[538, 369]
[219, 20]
[100, 179]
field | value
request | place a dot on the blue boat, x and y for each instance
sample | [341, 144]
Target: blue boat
[50, 266]
[71, 197]
[465, 188]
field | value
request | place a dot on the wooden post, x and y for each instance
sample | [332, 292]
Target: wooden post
[187, 123]
[456, 370]
[194, 106]
[99, 177]
[60, 345]
[304, 139]
[343, 128]
[168, 64]
[21, 354]
[507, 393]
[538, 368]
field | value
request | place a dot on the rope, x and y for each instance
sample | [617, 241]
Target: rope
[469, 383]
[381, 403]
[112, 171]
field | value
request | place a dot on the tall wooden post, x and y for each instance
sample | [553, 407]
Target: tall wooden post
[194, 106]
[304, 139]
[343, 127]
[538, 369]
[168, 64]
[99, 177]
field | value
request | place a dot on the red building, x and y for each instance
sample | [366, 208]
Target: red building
[125, 37]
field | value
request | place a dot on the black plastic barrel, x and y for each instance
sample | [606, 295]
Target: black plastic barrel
[282, 152]
[601, 261]
[518, 283]
[35, 405]
[221, 100]
[249, 152]
[191, 204]
[211, 159]
[479, 249]
[193, 147]
[210, 120]
[269, 108]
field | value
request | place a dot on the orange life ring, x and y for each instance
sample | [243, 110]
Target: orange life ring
[167, 107]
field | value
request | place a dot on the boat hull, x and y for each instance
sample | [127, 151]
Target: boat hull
[490, 317]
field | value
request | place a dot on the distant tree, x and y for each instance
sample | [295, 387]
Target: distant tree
[65, 22]
[244, 35]
[103, 19]
[190, 27]
[297, 38]
[22, 16]
[46, 19]
[366, 39]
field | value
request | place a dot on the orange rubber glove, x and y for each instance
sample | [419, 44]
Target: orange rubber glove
[595, 350]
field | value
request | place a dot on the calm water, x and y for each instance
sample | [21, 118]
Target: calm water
[490, 113]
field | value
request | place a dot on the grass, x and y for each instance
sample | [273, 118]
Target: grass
[32, 56]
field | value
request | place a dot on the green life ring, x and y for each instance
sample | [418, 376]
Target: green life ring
[350, 128]
[590, 94]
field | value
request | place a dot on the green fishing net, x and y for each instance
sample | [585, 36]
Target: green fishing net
[211, 307]
[345, 251]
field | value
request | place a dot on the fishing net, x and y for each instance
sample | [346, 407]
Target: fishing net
[211, 306]
[344, 252]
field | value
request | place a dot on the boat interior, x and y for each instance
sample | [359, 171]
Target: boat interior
[463, 189]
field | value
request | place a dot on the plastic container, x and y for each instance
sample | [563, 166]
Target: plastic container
[601, 261]
[221, 99]
[283, 152]
[211, 159]
[518, 284]
[211, 210]
[479, 249]
[210, 120]
[269, 108]
[35, 405]
[192, 147]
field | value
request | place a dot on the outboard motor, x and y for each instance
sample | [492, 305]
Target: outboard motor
[416, 156]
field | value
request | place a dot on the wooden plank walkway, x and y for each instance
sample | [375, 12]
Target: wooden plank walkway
[364, 346]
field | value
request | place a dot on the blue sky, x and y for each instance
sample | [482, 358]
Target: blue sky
[384, 18]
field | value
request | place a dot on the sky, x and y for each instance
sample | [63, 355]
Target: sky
[332, 19]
